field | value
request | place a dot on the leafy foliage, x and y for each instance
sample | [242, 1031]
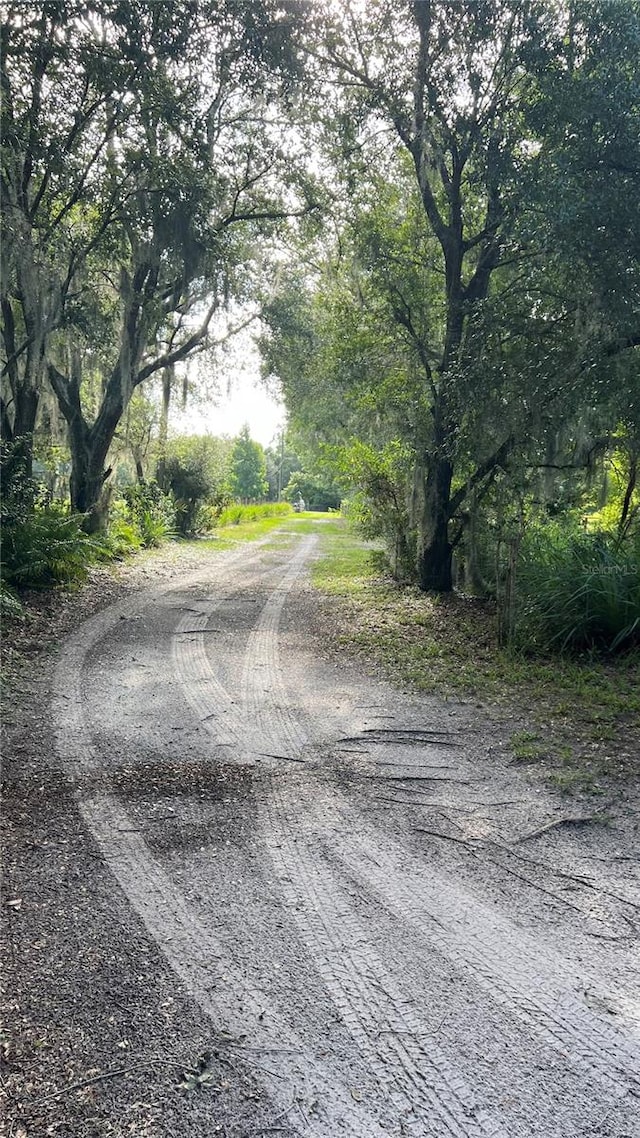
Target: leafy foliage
[317, 493]
[195, 469]
[281, 461]
[189, 486]
[248, 478]
[151, 511]
[47, 548]
[18, 490]
[10, 605]
[141, 158]
[122, 537]
[578, 591]
[447, 315]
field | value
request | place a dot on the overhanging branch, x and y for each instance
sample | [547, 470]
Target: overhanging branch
[498, 458]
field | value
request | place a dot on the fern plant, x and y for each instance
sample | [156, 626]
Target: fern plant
[48, 547]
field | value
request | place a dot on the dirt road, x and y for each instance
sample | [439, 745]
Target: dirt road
[346, 883]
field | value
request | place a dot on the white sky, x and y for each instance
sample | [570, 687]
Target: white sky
[241, 398]
[247, 402]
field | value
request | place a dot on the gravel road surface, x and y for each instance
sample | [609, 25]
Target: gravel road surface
[347, 887]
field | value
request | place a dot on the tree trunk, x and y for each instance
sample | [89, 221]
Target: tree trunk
[88, 477]
[89, 445]
[20, 412]
[26, 401]
[168, 376]
[434, 551]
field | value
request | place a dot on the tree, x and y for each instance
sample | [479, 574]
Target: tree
[316, 492]
[50, 146]
[475, 293]
[140, 151]
[281, 461]
[248, 468]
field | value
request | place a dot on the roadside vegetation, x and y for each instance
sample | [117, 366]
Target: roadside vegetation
[202, 487]
[582, 708]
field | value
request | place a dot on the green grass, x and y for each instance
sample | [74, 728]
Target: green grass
[288, 524]
[580, 709]
[237, 514]
[227, 536]
[526, 746]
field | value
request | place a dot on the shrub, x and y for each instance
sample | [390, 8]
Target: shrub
[48, 547]
[189, 486]
[122, 538]
[18, 491]
[207, 516]
[151, 511]
[577, 591]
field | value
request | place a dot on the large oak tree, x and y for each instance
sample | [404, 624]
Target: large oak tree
[141, 153]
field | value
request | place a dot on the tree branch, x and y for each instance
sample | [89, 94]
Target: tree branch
[487, 467]
[174, 355]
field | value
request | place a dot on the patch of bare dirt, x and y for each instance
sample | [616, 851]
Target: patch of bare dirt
[251, 889]
[97, 1037]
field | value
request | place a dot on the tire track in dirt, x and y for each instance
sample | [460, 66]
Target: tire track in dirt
[192, 950]
[206, 696]
[520, 975]
[531, 983]
[419, 1083]
[264, 694]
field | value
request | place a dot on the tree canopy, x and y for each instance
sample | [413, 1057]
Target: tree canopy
[248, 478]
[140, 152]
[472, 315]
[434, 205]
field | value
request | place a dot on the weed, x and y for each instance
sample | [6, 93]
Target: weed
[575, 781]
[526, 747]
[195, 1078]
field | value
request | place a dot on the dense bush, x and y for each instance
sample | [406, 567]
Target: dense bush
[189, 485]
[123, 536]
[47, 547]
[577, 591]
[18, 491]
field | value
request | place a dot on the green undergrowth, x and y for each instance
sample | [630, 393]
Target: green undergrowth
[586, 707]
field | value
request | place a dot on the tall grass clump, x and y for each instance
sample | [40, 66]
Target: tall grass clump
[235, 514]
[577, 591]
